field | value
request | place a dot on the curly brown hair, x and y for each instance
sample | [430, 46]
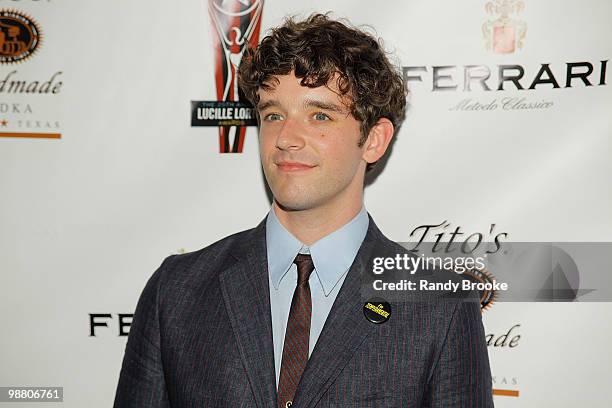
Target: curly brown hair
[318, 48]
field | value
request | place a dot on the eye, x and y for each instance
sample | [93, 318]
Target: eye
[272, 117]
[321, 116]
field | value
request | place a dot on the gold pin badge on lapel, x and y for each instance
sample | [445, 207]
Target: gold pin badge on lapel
[377, 310]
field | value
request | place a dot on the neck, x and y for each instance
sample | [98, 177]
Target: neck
[311, 225]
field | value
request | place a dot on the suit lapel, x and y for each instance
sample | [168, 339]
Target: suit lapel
[247, 298]
[343, 332]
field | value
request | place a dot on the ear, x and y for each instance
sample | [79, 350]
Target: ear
[378, 140]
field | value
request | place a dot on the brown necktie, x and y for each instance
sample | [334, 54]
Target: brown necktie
[295, 348]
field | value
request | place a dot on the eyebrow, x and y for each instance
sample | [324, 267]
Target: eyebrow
[329, 106]
[267, 104]
[308, 103]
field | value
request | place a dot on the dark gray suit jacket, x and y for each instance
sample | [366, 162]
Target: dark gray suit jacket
[201, 336]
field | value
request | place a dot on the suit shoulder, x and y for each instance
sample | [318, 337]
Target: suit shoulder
[203, 264]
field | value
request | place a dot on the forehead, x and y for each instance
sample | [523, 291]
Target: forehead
[290, 87]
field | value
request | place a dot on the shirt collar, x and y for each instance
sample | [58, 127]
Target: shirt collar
[332, 255]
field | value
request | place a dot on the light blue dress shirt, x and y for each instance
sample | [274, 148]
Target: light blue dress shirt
[332, 256]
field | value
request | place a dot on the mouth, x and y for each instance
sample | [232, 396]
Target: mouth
[293, 166]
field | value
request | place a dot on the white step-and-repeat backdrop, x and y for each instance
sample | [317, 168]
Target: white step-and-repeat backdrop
[105, 168]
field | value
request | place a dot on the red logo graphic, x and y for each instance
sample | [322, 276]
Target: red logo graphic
[236, 24]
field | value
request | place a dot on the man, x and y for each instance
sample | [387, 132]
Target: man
[274, 316]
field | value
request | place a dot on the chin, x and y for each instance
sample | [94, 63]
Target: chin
[295, 202]
[292, 205]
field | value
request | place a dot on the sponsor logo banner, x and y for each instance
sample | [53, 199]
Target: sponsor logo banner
[28, 105]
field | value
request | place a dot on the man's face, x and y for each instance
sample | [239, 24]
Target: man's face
[308, 144]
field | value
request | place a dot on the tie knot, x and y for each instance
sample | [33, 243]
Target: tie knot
[304, 267]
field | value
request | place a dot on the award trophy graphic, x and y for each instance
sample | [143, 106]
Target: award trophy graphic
[236, 25]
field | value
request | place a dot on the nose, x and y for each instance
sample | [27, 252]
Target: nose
[290, 136]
